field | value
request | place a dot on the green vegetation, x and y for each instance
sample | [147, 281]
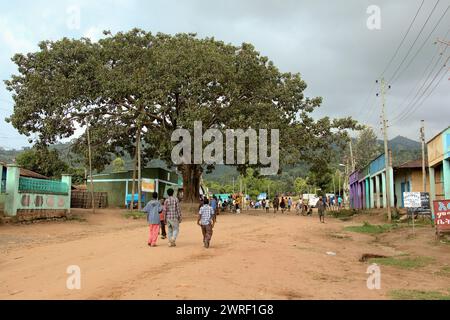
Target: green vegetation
[134, 215]
[403, 262]
[76, 218]
[371, 229]
[418, 295]
[445, 271]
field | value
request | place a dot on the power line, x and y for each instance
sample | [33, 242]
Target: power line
[415, 40]
[416, 87]
[422, 102]
[415, 105]
[369, 111]
[423, 44]
[403, 40]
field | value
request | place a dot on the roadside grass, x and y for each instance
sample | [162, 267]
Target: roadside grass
[404, 294]
[371, 228]
[446, 270]
[134, 215]
[76, 218]
[403, 262]
[339, 236]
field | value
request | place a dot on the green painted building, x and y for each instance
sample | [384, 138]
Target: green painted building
[118, 185]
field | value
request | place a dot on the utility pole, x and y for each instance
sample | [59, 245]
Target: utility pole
[139, 169]
[424, 172]
[233, 185]
[386, 149]
[339, 183]
[90, 166]
[351, 157]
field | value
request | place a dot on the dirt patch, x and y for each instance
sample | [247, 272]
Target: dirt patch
[367, 256]
[257, 256]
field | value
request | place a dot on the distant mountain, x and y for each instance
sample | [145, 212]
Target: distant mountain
[403, 143]
[404, 150]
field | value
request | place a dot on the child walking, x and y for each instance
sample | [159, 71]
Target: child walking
[206, 220]
[153, 209]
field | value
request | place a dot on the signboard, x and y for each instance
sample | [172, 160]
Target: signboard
[148, 185]
[417, 202]
[442, 215]
[262, 196]
[411, 199]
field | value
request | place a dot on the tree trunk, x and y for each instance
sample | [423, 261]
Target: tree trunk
[191, 182]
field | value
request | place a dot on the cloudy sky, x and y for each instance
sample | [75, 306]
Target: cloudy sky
[328, 42]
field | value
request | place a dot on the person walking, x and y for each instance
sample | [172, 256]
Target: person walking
[289, 204]
[267, 205]
[283, 205]
[153, 209]
[162, 219]
[276, 204]
[173, 217]
[215, 207]
[206, 221]
[321, 208]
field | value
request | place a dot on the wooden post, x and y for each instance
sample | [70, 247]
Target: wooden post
[139, 170]
[133, 187]
[90, 167]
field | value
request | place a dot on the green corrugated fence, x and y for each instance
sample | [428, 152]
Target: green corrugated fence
[30, 185]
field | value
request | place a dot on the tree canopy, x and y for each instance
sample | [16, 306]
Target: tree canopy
[138, 82]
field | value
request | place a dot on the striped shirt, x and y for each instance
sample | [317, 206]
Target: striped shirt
[172, 206]
[206, 213]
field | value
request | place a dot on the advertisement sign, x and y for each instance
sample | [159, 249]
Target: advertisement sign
[417, 202]
[442, 215]
[411, 199]
[148, 185]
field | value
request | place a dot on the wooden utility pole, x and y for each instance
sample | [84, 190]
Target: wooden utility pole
[139, 169]
[386, 149]
[352, 159]
[133, 187]
[424, 172]
[90, 167]
[233, 185]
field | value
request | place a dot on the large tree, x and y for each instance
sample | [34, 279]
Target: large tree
[137, 84]
[367, 147]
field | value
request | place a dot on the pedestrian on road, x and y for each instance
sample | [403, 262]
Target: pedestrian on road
[276, 204]
[173, 217]
[206, 221]
[321, 208]
[153, 209]
[162, 219]
[267, 205]
[289, 204]
[215, 207]
[283, 205]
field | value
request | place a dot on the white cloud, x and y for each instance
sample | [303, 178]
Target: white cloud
[94, 33]
[15, 38]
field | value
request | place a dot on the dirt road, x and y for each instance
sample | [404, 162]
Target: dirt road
[251, 257]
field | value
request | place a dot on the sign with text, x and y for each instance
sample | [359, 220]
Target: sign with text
[417, 202]
[442, 215]
[412, 199]
[148, 185]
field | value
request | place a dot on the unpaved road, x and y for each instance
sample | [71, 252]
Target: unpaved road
[251, 257]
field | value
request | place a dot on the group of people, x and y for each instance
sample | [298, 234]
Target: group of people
[168, 212]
